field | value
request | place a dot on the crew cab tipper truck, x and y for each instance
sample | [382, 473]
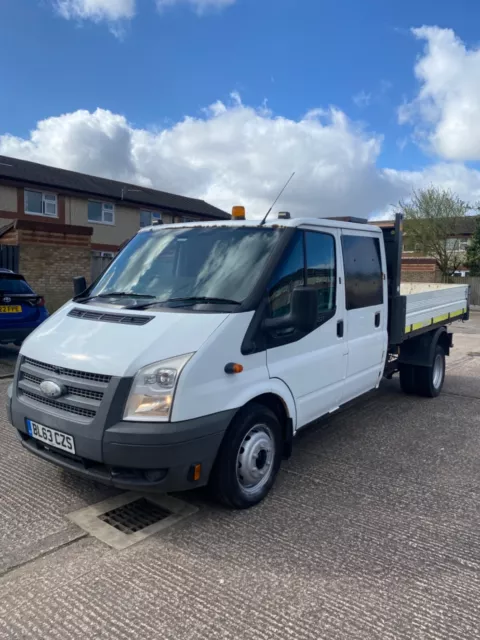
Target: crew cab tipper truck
[204, 348]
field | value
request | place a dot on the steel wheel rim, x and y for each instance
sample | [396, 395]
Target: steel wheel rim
[255, 459]
[438, 366]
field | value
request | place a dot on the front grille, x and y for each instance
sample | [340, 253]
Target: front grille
[85, 413]
[116, 318]
[83, 392]
[71, 373]
[73, 391]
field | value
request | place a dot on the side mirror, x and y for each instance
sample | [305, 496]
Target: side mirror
[303, 313]
[79, 286]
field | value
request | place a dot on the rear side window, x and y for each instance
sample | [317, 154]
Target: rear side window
[11, 285]
[363, 272]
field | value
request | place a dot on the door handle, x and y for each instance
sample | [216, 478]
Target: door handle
[377, 319]
[340, 329]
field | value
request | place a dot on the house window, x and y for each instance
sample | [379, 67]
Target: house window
[41, 204]
[101, 212]
[147, 218]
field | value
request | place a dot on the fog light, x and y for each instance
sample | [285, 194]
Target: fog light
[155, 475]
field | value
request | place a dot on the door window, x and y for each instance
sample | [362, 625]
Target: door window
[321, 270]
[363, 272]
[289, 274]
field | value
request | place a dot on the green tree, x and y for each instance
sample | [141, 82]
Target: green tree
[432, 220]
[473, 251]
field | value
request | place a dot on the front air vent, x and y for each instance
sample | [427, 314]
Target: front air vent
[115, 318]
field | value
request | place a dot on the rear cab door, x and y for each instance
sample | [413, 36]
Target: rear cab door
[366, 304]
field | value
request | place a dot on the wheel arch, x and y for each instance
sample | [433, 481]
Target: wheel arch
[279, 400]
[419, 351]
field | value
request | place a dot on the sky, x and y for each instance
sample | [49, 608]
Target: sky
[224, 99]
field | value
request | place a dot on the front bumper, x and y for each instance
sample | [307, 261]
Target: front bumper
[157, 457]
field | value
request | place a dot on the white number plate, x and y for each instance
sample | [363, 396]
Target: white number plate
[51, 436]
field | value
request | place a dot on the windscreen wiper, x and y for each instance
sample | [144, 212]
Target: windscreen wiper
[115, 294]
[189, 300]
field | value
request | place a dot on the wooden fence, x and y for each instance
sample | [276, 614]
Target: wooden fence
[9, 257]
[100, 261]
[474, 286]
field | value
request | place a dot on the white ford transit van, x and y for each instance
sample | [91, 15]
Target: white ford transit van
[203, 348]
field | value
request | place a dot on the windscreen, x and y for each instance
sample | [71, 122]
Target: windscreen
[222, 262]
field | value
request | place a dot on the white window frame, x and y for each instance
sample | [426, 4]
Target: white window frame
[46, 196]
[154, 215]
[103, 221]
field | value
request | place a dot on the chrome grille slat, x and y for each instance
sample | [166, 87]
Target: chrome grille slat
[68, 408]
[71, 373]
[73, 391]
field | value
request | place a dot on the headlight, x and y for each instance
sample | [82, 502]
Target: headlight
[151, 396]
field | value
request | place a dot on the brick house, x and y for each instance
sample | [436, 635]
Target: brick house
[418, 267]
[115, 210]
[61, 223]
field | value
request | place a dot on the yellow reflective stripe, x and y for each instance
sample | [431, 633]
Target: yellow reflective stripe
[427, 323]
[419, 325]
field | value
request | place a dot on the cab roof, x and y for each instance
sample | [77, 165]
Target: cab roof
[275, 223]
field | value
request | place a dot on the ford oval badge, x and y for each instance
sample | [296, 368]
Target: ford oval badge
[51, 389]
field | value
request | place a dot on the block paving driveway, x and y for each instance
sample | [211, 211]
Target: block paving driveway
[372, 532]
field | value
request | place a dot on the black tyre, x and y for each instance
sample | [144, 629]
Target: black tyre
[408, 379]
[249, 458]
[430, 379]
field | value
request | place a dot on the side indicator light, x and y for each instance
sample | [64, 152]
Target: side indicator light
[233, 367]
[195, 473]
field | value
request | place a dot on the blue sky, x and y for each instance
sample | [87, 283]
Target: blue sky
[286, 56]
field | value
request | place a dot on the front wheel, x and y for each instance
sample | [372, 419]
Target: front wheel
[249, 458]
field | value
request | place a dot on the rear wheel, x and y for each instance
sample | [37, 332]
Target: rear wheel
[249, 458]
[430, 379]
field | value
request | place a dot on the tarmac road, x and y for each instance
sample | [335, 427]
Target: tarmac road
[372, 532]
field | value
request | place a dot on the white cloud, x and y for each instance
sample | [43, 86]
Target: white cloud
[446, 111]
[236, 154]
[199, 5]
[97, 10]
[117, 12]
[362, 99]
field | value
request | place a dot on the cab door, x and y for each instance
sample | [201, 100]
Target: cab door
[366, 299]
[313, 365]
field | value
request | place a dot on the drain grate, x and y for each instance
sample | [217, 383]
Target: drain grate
[135, 516]
[131, 517]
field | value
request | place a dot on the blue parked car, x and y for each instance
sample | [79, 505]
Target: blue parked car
[21, 309]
